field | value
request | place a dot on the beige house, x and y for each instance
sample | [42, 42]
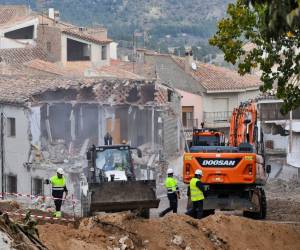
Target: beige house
[22, 31]
[209, 93]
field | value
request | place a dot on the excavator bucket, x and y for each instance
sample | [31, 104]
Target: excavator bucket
[123, 195]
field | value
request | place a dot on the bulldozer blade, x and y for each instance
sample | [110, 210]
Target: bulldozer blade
[120, 196]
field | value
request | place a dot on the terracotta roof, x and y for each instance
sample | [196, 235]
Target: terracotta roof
[11, 14]
[21, 55]
[81, 69]
[85, 36]
[22, 89]
[45, 66]
[215, 78]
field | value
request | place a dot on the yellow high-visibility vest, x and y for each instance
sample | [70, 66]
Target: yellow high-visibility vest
[196, 193]
[171, 184]
[58, 184]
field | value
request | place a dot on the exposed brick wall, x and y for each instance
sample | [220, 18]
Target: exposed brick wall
[49, 38]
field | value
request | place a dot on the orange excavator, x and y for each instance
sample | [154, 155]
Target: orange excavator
[207, 137]
[234, 175]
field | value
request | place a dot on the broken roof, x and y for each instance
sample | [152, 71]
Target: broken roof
[19, 90]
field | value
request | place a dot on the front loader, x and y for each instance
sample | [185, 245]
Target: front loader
[112, 185]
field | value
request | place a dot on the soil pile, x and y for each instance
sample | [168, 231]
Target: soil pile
[124, 231]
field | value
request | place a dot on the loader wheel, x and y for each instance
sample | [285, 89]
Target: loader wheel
[86, 205]
[261, 215]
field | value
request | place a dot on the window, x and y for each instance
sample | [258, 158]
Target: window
[11, 127]
[37, 186]
[11, 184]
[48, 46]
[188, 116]
[104, 52]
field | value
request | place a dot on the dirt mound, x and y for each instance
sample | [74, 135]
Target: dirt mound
[124, 231]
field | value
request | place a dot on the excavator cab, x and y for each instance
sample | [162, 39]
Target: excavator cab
[207, 137]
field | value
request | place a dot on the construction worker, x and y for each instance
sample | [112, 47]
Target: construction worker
[195, 192]
[59, 187]
[173, 193]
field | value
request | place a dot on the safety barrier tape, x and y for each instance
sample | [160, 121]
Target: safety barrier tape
[38, 196]
[39, 216]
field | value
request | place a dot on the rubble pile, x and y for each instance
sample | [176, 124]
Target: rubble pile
[280, 186]
[283, 199]
[123, 231]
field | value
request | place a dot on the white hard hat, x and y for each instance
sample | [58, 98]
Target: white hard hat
[198, 172]
[60, 171]
[170, 171]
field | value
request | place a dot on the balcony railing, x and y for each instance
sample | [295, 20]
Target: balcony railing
[190, 124]
[217, 117]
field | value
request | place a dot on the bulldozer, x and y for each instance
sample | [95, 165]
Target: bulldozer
[234, 175]
[112, 185]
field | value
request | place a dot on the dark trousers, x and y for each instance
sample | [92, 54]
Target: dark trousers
[58, 200]
[173, 204]
[197, 210]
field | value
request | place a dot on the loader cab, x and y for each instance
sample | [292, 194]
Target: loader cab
[110, 163]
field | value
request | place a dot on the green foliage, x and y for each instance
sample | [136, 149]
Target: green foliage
[277, 59]
[280, 16]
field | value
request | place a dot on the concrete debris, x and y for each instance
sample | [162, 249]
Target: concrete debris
[126, 243]
[178, 241]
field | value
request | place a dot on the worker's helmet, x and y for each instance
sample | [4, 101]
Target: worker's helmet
[198, 172]
[60, 171]
[170, 171]
[124, 142]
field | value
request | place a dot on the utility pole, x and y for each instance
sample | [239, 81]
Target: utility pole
[291, 133]
[133, 51]
[2, 153]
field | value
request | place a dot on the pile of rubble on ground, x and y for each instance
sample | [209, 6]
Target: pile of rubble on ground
[280, 186]
[123, 231]
[283, 189]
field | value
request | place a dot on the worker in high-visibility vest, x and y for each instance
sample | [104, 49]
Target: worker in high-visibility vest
[195, 192]
[173, 193]
[59, 187]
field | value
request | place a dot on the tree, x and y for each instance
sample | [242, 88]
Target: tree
[275, 54]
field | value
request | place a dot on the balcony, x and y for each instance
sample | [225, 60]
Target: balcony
[217, 119]
[189, 124]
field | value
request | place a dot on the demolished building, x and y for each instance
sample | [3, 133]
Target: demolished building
[281, 132]
[51, 121]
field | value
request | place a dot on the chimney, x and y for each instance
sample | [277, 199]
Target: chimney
[51, 13]
[188, 60]
[56, 15]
